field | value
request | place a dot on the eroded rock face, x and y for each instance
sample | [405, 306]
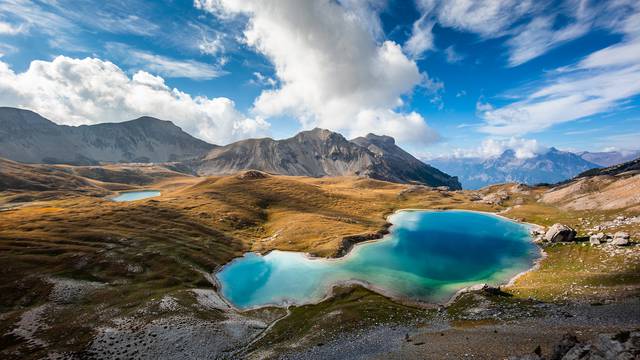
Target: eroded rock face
[560, 233]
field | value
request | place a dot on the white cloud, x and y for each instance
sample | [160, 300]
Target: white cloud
[531, 28]
[10, 29]
[7, 49]
[263, 80]
[30, 15]
[489, 18]
[332, 71]
[494, 147]
[598, 83]
[452, 55]
[539, 35]
[165, 66]
[211, 47]
[88, 91]
[421, 38]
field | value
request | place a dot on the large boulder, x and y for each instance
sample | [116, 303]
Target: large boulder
[620, 238]
[560, 233]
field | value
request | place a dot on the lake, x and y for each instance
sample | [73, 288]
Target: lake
[135, 195]
[428, 256]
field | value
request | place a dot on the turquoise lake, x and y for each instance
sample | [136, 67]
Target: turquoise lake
[428, 256]
[136, 195]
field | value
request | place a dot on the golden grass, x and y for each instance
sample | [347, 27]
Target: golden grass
[199, 224]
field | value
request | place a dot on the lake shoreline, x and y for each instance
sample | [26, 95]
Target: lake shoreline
[375, 237]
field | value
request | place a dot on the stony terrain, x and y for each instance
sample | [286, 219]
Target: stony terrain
[82, 276]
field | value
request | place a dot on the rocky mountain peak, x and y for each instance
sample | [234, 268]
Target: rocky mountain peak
[385, 139]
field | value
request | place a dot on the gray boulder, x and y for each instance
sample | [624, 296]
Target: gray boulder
[620, 238]
[597, 239]
[560, 233]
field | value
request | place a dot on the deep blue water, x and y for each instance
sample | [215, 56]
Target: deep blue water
[136, 195]
[428, 256]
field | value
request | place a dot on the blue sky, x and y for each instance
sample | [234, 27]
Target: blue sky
[463, 78]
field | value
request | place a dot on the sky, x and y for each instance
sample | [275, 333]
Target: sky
[444, 78]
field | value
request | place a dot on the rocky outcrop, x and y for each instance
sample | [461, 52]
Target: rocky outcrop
[620, 238]
[319, 153]
[560, 233]
[349, 241]
[597, 239]
[252, 175]
[624, 345]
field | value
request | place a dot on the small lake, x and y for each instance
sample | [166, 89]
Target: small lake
[136, 195]
[428, 256]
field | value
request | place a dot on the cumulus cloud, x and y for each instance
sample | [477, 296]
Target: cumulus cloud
[88, 91]
[494, 147]
[596, 84]
[332, 70]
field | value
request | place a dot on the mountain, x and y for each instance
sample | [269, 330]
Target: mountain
[609, 158]
[551, 167]
[30, 138]
[615, 187]
[320, 152]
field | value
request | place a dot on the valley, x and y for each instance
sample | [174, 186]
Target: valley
[147, 265]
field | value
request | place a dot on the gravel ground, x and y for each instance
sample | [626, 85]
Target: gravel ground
[439, 340]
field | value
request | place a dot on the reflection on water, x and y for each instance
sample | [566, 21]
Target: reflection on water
[428, 256]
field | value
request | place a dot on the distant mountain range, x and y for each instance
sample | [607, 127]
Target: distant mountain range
[609, 158]
[28, 137]
[551, 167]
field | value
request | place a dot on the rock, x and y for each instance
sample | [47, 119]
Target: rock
[620, 238]
[578, 352]
[564, 346]
[597, 239]
[624, 345]
[560, 233]
[252, 175]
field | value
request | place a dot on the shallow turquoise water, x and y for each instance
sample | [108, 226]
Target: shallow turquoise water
[136, 195]
[428, 256]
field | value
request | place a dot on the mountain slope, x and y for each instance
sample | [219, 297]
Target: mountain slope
[321, 152]
[551, 167]
[615, 187]
[609, 158]
[400, 165]
[28, 137]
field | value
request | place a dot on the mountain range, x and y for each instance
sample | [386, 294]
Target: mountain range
[28, 137]
[321, 152]
[610, 158]
[550, 167]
